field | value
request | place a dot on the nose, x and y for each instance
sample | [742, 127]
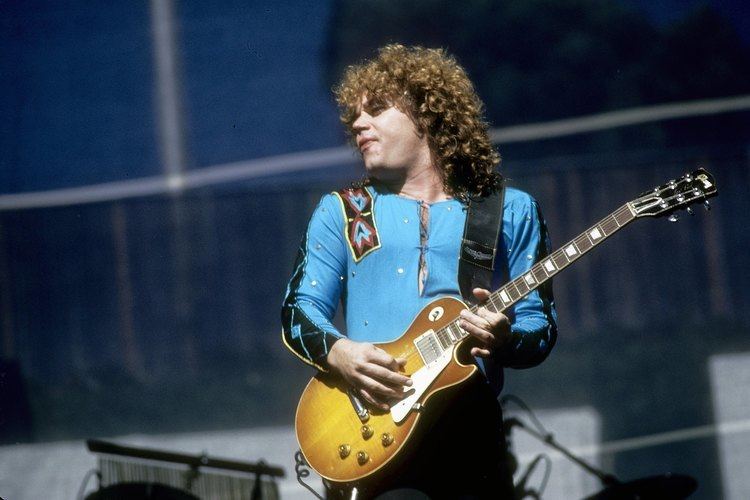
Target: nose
[361, 123]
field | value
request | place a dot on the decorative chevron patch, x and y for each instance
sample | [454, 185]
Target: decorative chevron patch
[361, 231]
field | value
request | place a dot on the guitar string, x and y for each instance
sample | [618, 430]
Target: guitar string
[413, 353]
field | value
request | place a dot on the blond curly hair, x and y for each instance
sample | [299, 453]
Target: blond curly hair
[436, 93]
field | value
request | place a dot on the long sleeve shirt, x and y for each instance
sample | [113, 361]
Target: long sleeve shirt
[384, 290]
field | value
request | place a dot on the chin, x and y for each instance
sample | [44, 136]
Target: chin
[382, 173]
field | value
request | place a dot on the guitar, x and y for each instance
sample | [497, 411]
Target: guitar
[345, 441]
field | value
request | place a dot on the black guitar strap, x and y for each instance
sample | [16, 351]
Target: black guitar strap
[479, 245]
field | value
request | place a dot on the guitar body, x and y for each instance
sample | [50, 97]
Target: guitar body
[326, 419]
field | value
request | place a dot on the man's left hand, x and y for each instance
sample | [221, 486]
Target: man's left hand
[491, 329]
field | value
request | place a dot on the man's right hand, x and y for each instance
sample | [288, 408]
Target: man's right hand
[372, 372]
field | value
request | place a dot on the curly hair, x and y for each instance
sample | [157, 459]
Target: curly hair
[435, 92]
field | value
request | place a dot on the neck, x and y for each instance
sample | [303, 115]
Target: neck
[423, 184]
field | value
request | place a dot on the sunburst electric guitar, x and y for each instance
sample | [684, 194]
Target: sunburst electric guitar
[345, 441]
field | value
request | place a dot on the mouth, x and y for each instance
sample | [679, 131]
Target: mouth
[365, 143]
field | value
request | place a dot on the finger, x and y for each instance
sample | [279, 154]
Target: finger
[386, 375]
[481, 353]
[492, 317]
[366, 396]
[382, 358]
[379, 390]
[476, 320]
[373, 401]
[481, 293]
[479, 333]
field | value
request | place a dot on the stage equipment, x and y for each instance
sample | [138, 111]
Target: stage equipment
[126, 472]
[664, 487]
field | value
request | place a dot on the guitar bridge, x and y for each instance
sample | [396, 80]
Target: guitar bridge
[360, 409]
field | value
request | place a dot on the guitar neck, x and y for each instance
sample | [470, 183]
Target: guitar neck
[518, 288]
[691, 188]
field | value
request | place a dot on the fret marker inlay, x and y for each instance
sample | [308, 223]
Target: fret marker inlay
[571, 250]
[549, 265]
[529, 279]
[595, 234]
[504, 296]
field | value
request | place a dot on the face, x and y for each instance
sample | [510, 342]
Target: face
[389, 142]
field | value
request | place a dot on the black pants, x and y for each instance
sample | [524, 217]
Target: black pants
[460, 454]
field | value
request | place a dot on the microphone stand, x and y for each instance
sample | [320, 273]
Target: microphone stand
[549, 440]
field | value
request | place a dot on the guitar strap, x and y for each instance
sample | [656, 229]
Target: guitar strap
[479, 244]
[476, 263]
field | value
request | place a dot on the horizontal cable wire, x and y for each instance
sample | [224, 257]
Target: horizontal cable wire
[620, 445]
[331, 157]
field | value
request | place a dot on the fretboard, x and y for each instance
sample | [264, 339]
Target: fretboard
[544, 270]
[558, 260]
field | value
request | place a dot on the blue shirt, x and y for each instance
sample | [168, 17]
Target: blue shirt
[380, 293]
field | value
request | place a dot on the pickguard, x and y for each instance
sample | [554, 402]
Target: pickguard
[421, 380]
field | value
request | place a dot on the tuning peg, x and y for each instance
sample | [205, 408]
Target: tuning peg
[706, 205]
[689, 210]
[673, 218]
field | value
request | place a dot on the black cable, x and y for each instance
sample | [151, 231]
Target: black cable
[300, 468]
[547, 473]
[521, 404]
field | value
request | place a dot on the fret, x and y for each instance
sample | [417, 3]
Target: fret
[530, 279]
[549, 266]
[454, 331]
[449, 333]
[609, 225]
[521, 286]
[583, 243]
[513, 291]
[559, 259]
[442, 337]
[572, 251]
[539, 274]
[504, 297]
[623, 216]
[595, 234]
[497, 304]
[460, 331]
[489, 304]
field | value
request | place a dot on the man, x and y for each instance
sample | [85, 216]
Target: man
[388, 248]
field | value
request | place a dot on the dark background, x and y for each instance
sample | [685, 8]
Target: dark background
[160, 313]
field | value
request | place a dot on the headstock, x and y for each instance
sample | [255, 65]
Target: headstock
[691, 188]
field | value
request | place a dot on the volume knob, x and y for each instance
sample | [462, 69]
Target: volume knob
[367, 431]
[362, 457]
[344, 450]
[386, 439]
